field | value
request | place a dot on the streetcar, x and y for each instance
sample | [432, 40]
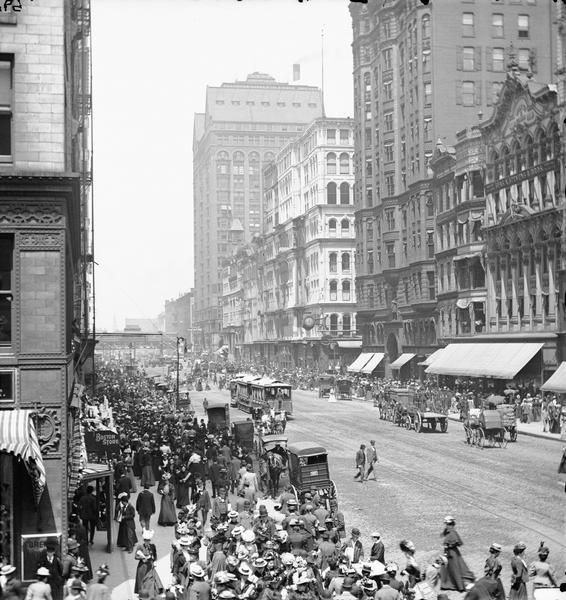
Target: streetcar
[234, 389]
[272, 395]
[244, 392]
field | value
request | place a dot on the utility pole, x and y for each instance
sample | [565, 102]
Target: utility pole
[180, 340]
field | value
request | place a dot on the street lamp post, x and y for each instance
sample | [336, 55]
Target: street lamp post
[180, 340]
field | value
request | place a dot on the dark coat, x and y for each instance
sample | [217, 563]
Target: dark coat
[145, 503]
[377, 552]
[88, 510]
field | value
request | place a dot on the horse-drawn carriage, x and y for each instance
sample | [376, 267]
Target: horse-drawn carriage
[484, 427]
[507, 412]
[415, 409]
[243, 434]
[308, 471]
[344, 389]
[218, 413]
[325, 385]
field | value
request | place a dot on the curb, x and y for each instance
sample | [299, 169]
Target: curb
[541, 436]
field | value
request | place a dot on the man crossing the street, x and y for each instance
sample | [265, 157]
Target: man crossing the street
[361, 463]
[371, 459]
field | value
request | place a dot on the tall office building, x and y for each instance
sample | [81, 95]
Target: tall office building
[422, 73]
[244, 125]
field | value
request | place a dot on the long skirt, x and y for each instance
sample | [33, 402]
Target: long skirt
[182, 494]
[456, 573]
[147, 476]
[132, 478]
[167, 514]
[127, 534]
[518, 591]
[148, 580]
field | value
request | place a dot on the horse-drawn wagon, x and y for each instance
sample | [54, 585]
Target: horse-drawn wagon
[308, 471]
[484, 427]
[418, 410]
[325, 385]
[344, 389]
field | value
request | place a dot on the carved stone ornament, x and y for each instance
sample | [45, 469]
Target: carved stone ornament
[37, 240]
[48, 428]
[18, 213]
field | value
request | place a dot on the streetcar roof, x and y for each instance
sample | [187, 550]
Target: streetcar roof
[306, 448]
[267, 382]
[249, 378]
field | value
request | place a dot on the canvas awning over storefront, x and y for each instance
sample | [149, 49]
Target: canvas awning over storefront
[372, 363]
[361, 361]
[402, 360]
[430, 359]
[502, 361]
[18, 436]
[350, 344]
[557, 381]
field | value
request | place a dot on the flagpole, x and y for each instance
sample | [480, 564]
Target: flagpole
[322, 69]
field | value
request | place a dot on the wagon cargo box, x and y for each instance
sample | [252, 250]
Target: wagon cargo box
[491, 419]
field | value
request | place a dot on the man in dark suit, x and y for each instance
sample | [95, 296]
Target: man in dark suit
[88, 512]
[145, 506]
[361, 463]
[377, 551]
[50, 559]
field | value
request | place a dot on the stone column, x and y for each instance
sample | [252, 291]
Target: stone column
[514, 258]
[538, 283]
[525, 253]
[551, 254]
[491, 291]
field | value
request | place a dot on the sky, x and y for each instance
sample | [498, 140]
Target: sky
[151, 63]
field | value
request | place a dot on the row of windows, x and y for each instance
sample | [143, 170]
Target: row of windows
[331, 136]
[344, 262]
[332, 193]
[333, 290]
[344, 162]
[469, 58]
[497, 25]
[344, 227]
[266, 103]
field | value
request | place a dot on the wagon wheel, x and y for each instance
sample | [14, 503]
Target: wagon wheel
[432, 424]
[418, 423]
[480, 438]
[513, 434]
[408, 423]
[504, 439]
[444, 425]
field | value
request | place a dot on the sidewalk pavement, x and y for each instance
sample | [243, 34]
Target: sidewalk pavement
[533, 429]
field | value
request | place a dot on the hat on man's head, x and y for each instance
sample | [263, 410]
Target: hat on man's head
[355, 531]
[122, 495]
[7, 569]
[376, 534]
[495, 547]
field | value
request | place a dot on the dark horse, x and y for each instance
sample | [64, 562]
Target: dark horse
[275, 466]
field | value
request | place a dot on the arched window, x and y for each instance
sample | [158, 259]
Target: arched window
[345, 261]
[331, 193]
[544, 146]
[345, 227]
[346, 323]
[222, 163]
[425, 23]
[333, 286]
[333, 262]
[253, 159]
[505, 162]
[555, 137]
[529, 151]
[331, 163]
[238, 167]
[334, 322]
[518, 157]
[495, 163]
[344, 163]
[344, 193]
[346, 290]
[332, 227]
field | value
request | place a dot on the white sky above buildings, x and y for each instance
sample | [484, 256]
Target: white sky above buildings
[152, 62]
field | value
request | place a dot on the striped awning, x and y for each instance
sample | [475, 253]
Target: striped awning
[362, 359]
[557, 381]
[402, 360]
[18, 436]
[372, 363]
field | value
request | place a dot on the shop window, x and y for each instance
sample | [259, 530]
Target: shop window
[7, 387]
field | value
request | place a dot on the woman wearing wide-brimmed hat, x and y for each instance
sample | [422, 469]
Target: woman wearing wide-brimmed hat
[11, 587]
[455, 573]
[167, 513]
[519, 574]
[127, 530]
[147, 578]
[40, 589]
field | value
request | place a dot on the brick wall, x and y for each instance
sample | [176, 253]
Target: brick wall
[41, 302]
[37, 43]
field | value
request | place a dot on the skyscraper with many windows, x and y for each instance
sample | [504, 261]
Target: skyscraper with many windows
[422, 73]
[244, 125]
